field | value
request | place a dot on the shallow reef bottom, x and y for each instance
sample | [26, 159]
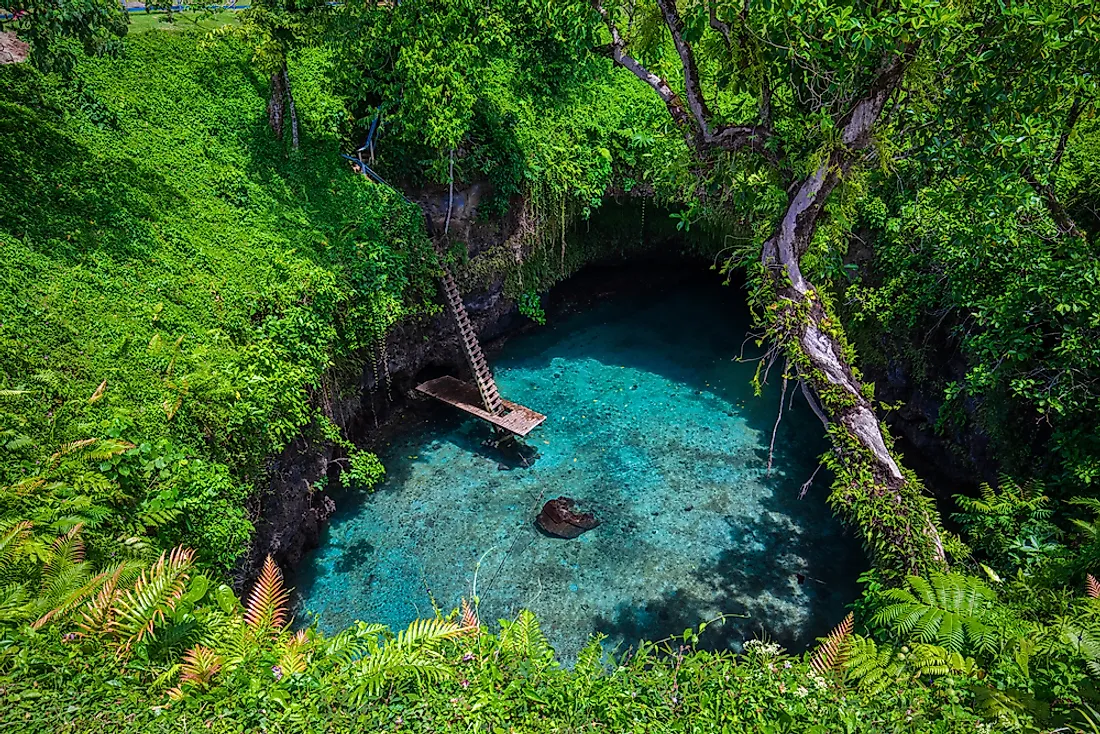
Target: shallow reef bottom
[653, 426]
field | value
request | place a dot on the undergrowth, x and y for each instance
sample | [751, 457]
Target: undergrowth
[176, 278]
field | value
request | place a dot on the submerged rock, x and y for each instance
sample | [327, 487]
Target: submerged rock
[560, 519]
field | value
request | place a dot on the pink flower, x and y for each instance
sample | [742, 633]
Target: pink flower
[464, 683]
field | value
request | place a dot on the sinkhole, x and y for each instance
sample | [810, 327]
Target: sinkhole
[652, 425]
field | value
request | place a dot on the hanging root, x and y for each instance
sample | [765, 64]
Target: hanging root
[806, 485]
[775, 428]
[813, 404]
[451, 196]
[385, 359]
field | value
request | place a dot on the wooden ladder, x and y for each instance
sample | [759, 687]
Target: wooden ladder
[486, 385]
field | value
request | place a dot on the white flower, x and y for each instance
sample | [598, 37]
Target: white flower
[801, 692]
[762, 649]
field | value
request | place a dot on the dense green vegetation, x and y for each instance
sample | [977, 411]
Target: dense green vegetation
[184, 285]
[176, 282]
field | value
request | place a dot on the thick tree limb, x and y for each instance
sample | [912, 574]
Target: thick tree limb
[828, 371]
[1054, 207]
[1046, 192]
[695, 118]
[782, 253]
[1071, 120]
[620, 56]
[786, 246]
[692, 89]
[720, 25]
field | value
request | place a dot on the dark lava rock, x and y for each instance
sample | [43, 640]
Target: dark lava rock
[560, 519]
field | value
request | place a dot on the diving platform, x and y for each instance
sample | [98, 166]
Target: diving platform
[511, 417]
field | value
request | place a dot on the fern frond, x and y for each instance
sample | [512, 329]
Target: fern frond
[66, 551]
[352, 643]
[71, 448]
[523, 637]
[390, 664]
[293, 658]
[590, 658]
[873, 668]
[66, 593]
[98, 614]
[12, 542]
[227, 634]
[946, 609]
[830, 653]
[200, 664]
[14, 603]
[267, 605]
[371, 672]
[156, 591]
[1092, 586]
[923, 590]
[426, 633]
[469, 617]
[933, 660]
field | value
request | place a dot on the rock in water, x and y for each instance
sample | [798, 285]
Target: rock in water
[560, 519]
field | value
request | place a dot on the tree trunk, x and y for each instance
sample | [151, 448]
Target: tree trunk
[893, 504]
[275, 110]
[292, 108]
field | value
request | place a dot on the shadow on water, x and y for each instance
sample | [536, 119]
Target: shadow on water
[769, 565]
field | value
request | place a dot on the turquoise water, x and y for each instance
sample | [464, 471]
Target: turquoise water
[652, 424]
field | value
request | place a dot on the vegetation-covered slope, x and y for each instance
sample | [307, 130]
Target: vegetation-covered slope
[174, 279]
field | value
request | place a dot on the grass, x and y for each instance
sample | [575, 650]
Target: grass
[143, 22]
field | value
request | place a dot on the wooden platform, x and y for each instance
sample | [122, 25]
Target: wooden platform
[464, 396]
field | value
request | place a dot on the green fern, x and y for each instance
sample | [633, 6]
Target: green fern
[590, 659]
[1077, 633]
[12, 540]
[933, 660]
[13, 546]
[295, 655]
[156, 592]
[15, 603]
[523, 638]
[873, 667]
[427, 633]
[352, 643]
[947, 609]
[413, 654]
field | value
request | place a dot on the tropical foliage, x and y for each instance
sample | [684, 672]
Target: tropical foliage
[188, 285]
